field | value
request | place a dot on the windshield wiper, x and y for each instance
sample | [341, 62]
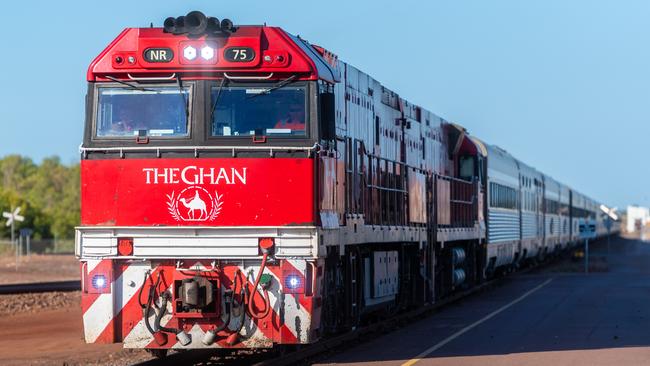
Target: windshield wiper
[185, 100]
[279, 85]
[129, 84]
[216, 99]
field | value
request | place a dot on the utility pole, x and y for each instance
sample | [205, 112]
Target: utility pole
[587, 256]
[587, 230]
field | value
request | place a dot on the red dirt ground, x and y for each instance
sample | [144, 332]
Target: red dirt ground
[54, 337]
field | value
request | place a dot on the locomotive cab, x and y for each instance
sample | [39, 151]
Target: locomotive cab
[206, 113]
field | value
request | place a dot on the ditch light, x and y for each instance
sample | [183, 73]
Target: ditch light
[293, 283]
[99, 282]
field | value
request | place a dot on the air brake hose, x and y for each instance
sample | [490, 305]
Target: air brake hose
[210, 336]
[227, 321]
[233, 338]
[242, 312]
[146, 277]
[147, 309]
[181, 336]
[267, 303]
[161, 313]
[241, 304]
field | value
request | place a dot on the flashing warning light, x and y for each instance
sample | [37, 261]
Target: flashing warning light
[189, 53]
[125, 246]
[207, 53]
[293, 283]
[99, 282]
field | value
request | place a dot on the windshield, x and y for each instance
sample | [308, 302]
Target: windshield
[155, 111]
[246, 111]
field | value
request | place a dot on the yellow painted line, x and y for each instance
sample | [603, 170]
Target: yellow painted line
[439, 345]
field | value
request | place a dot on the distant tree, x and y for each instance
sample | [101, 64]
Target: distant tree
[14, 171]
[47, 193]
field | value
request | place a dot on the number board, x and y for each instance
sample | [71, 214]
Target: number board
[158, 55]
[239, 54]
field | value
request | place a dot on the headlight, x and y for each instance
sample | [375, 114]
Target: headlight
[189, 53]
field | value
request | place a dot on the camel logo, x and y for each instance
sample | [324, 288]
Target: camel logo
[194, 203]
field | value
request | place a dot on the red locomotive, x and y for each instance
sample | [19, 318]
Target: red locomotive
[244, 188]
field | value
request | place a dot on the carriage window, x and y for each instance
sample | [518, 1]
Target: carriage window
[247, 111]
[155, 111]
[466, 167]
[503, 197]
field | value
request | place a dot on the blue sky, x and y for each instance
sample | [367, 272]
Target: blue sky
[562, 85]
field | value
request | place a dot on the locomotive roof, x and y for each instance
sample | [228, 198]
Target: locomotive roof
[271, 52]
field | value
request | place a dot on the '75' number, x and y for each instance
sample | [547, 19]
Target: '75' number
[240, 54]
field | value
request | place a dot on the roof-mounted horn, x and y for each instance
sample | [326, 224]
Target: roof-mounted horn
[195, 23]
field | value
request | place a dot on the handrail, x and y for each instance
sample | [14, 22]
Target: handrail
[83, 149]
[386, 189]
[454, 179]
[145, 78]
[244, 77]
[463, 202]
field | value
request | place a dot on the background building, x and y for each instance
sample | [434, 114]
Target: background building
[637, 218]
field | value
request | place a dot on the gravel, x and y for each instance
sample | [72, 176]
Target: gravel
[125, 357]
[32, 303]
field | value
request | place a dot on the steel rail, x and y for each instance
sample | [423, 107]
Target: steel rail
[40, 287]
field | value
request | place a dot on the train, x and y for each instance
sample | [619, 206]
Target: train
[242, 187]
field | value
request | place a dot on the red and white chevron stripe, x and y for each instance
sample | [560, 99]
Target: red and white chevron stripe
[116, 315]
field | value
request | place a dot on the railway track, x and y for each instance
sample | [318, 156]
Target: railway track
[305, 354]
[38, 287]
